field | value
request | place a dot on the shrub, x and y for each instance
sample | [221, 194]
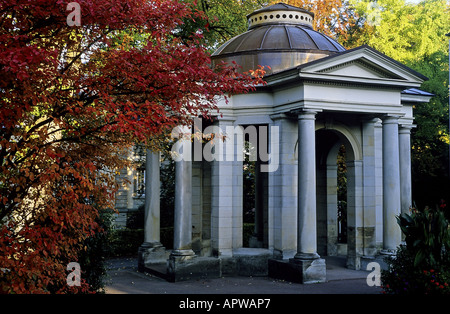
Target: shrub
[422, 266]
[426, 236]
[96, 248]
[126, 242]
[402, 277]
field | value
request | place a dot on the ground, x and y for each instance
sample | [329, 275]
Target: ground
[123, 278]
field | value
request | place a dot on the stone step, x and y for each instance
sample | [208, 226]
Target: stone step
[159, 270]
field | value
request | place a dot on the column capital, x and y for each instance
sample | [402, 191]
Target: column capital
[306, 114]
[390, 119]
[279, 116]
[405, 128]
[225, 118]
[370, 119]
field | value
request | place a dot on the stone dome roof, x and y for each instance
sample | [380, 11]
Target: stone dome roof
[280, 36]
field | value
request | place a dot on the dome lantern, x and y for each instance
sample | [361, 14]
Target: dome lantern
[280, 14]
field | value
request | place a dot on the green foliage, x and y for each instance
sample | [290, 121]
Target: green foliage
[414, 34]
[422, 266]
[403, 277]
[226, 19]
[427, 236]
[430, 139]
[167, 200]
[419, 28]
[135, 220]
[342, 194]
[249, 177]
[126, 242]
[96, 248]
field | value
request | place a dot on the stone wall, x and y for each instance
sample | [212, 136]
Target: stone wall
[125, 199]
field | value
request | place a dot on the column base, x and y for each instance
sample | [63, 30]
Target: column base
[150, 253]
[284, 254]
[305, 271]
[353, 262]
[182, 253]
[183, 266]
[305, 256]
[388, 252]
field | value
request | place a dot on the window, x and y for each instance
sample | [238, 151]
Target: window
[139, 182]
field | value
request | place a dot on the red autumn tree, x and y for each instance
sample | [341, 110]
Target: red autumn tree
[72, 100]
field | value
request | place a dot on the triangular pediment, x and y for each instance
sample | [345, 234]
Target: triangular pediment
[360, 68]
[363, 64]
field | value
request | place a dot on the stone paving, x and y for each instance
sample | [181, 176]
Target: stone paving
[123, 278]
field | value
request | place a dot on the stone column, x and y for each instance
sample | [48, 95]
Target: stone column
[369, 187]
[197, 207]
[355, 214]
[283, 190]
[307, 233]
[391, 185]
[152, 199]
[182, 235]
[332, 205]
[405, 167]
[222, 193]
[237, 182]
[306, 266]
[151, 251]
[183, 264]
[311, 267]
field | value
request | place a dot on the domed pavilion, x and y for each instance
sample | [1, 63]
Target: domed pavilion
[321, 101]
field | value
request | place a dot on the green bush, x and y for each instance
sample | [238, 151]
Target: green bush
[96, 249]
[426, 236]
[402, 277]
[422, 266]
[126, 242]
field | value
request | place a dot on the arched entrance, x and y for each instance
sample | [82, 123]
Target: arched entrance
[338, 186]
[255, 188]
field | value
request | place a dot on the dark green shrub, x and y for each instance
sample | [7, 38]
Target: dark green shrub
[135, 220]
[96, 249]
[402, 277]
[422, 266]
[426, 235]
[126, 242]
